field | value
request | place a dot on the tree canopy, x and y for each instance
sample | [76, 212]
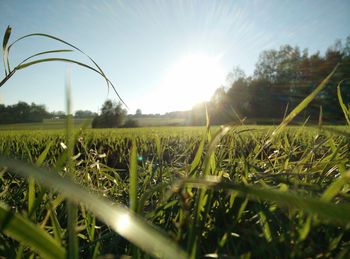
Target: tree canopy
[22, 112]
[112, 115]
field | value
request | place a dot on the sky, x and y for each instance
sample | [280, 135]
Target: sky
[162, 56]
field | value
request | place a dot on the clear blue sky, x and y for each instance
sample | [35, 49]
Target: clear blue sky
[138, 43]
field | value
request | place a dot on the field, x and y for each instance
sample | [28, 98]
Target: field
[49, 124]
[192, 192]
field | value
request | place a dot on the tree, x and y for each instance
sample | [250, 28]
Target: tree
[138, 113]
[22, 113]
[84, 114]
[236, 74]
[112, 115]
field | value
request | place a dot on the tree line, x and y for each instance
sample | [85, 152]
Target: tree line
[23, 112]
[282, 78]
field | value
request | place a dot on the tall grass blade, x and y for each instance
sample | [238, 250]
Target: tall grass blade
[25, 232]
[73, 247]
[4, 49]
[133, 178]
[304, 103]
[28, 64]
[320, 119]
[197, 158]
[342, 104]
[44, 53]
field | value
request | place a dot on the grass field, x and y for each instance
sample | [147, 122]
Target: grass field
[213, 193]
[61, 123]
[45, 125]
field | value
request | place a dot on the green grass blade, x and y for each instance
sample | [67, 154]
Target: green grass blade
[265, 226]
[304, 103]
[6, 37]
[212, 147]
[123, 221]
[28, 64]
[31, 194]
[72, 211]
[4, 49]
[40, 160]
[342, 104]
[31, 63]
[24, 231]
[44, 53]
[7, 77]
[320, 119]
[133, 178]
[335, 187]
[73, 247]
[304, 231]
[197, 158]
[31, 181]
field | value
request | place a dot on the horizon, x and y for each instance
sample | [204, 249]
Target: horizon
[154, 52]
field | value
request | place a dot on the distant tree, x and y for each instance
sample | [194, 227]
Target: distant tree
[112, 116]
[84, 114]
[22, 112]
[138, 113]
[236, 74]
[37, 113]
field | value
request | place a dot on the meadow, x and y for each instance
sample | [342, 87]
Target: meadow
[50, 124]
[210, 192]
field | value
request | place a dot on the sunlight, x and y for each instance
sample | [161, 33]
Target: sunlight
[122, 223]
[192, 79]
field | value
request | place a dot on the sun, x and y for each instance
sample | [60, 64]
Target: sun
[191, 79]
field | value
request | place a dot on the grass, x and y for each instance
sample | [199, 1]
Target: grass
[47, 124]
[295, 191]
[158, 122]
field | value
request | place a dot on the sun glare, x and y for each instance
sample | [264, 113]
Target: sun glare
[192, 79]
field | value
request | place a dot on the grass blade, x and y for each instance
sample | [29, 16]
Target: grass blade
[342, 104]
[133, 178]
[24, 231]
[304, 103]
[72, 211]
[4, 49]
[28, 64]
[197, 158]
[44, 53]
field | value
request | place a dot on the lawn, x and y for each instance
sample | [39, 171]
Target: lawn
[233, 192]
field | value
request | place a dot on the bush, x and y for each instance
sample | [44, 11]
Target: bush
[131, 123]
[112, 116]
